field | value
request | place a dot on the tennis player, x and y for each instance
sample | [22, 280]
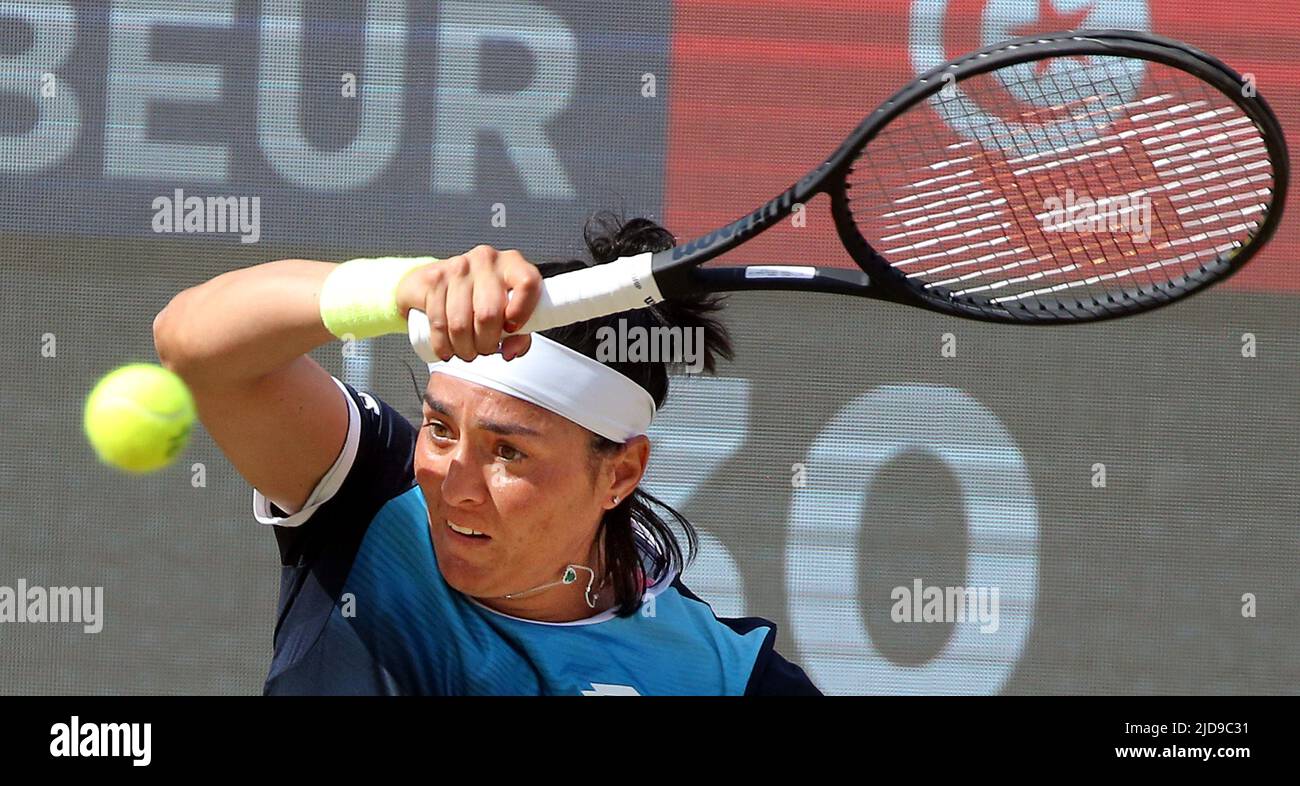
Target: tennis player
[504, 547]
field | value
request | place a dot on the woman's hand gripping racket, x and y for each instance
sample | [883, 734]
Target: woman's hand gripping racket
[1052, 179]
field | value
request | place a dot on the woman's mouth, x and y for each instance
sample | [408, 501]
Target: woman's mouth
[467, 533]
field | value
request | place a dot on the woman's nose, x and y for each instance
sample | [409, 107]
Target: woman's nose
[462, 479]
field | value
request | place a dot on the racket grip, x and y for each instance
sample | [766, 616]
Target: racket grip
[622, 285]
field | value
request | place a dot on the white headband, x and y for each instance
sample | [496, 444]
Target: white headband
[566, 382]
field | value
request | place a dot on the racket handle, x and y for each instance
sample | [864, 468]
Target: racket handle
[622, 285]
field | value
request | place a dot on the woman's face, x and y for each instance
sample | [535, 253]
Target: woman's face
[524, 477]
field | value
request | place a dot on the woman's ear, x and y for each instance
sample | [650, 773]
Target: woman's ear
[625, 469]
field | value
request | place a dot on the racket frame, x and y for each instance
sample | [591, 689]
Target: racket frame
[645, 279]
[677, 270]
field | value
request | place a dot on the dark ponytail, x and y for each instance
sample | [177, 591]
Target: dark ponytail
[640, 527]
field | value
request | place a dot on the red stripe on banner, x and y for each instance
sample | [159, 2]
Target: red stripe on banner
[729, 51]
[761, 92]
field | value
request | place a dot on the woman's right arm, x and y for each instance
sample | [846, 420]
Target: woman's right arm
[240, 342]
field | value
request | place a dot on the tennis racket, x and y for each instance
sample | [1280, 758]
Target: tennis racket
[1054, 179]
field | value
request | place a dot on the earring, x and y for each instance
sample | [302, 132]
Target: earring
[616, 498]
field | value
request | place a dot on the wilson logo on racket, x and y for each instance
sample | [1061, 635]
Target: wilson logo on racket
[741, 228]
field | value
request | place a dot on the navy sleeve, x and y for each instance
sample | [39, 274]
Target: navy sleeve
[780, 677]
[381, 467]
[773, 675]
[318, 544]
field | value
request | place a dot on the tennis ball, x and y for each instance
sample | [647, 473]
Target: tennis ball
[138, 417]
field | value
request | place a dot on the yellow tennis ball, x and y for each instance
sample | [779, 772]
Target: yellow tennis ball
[138, 417]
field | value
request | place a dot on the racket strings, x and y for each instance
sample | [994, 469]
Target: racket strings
[1045, 179]
[1037, 183]
[1103, 168]
[1022, 182]
[1067, 184]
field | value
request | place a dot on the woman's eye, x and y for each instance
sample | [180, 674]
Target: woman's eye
[438, 430]
[508, 453]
